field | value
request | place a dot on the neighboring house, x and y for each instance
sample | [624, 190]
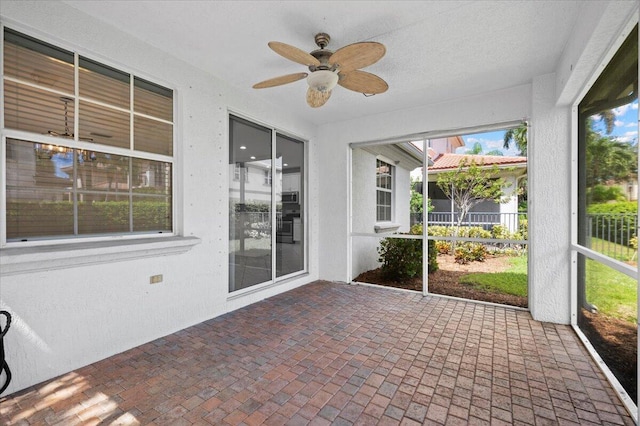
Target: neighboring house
[486, 213]
[440, 146]
[628, 188]
[256, 180]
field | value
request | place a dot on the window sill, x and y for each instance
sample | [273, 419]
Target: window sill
[20, 260]
[386, 227]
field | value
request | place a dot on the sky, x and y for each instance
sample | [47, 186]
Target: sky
[625, 130]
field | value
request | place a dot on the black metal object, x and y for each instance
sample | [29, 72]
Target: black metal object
[3, 363]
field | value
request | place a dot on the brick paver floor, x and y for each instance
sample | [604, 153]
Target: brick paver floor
[330, 353]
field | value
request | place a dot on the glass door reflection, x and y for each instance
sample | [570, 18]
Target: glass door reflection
[266, 174]
[290, 240]
[250, 199]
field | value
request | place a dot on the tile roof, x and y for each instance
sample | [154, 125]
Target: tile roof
[452, 161]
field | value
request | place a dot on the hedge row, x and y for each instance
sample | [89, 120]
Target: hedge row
[614, 222]
[55, 218]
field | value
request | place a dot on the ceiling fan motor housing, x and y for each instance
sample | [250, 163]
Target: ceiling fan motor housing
[322, 40]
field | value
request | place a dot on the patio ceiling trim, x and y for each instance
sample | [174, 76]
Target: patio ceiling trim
[433, 134]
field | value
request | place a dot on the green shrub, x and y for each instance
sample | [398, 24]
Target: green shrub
[256, 207]
[402, 258]
[465, 231]
[93, 217]
[523, 229]
[443, 247]
[630, 207]
[416, 229]
[601, 194]
[440, 231]
[633, 243]
[470, 252]
[500, 232]
[474, 232]
[614, 222]
[433, 258]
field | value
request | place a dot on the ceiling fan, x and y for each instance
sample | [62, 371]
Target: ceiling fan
[67, 132]
[329, 68]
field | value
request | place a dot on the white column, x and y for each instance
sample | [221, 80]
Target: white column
[549, 202]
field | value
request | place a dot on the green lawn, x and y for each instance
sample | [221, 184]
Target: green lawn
[512, 281]
[613, 293]
[613, 250]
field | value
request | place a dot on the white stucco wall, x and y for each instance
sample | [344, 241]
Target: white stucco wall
[363, 191]
[364, 253]
[66, 318]
[402, 197]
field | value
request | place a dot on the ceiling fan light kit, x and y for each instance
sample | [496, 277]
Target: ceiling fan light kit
[317, 98]
[328, 69]
[322, 80]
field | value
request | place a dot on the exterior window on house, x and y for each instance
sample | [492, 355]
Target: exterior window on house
[89, 148]
[384, 191]
[239, 168]
[267, 177]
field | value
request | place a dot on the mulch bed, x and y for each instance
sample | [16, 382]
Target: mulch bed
[446, 280]
[617, 344]
[615, 340]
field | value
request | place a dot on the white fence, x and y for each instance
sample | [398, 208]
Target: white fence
[485, 220]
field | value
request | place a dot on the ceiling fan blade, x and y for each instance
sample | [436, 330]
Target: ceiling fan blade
[357, 55]
[363, 82]
[279, 81]
[316, 98]
[293, 53]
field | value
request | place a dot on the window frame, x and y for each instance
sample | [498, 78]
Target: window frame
[236, 172]
[277, 132]
[579, 251]
[76, 143]
[391, 176]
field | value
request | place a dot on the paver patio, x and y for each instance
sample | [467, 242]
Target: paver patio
[330, 353]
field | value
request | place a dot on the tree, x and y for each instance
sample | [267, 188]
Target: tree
[415, 202]
[608, 159]
[476, 150]
[471, 184]
[608, 118]
[519, 137]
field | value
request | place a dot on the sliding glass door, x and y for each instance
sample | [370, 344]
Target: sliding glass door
[290, 241]
[266, 205]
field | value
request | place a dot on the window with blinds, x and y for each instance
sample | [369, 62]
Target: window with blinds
[89, 148]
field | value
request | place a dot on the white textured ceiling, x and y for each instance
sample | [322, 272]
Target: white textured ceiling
[436, 50]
